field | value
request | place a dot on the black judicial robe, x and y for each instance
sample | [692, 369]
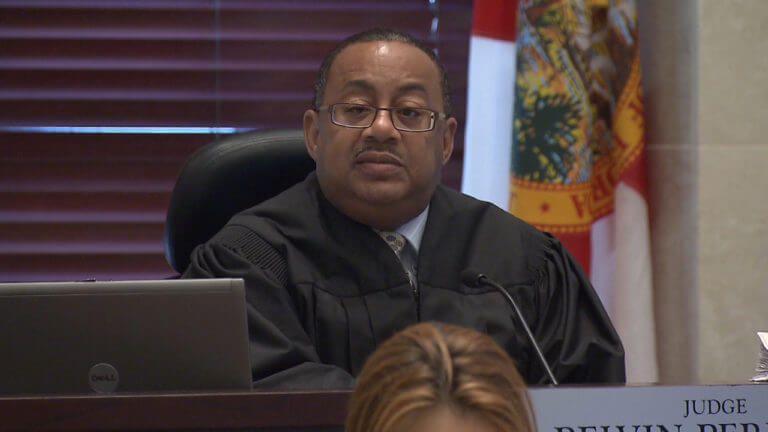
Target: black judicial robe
[323, 291]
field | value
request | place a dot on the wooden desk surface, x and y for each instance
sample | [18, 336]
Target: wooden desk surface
[299, 411]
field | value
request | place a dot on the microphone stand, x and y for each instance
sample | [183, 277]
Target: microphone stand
[482, 279]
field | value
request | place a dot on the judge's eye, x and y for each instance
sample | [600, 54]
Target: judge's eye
[356, 109]
[410, 112]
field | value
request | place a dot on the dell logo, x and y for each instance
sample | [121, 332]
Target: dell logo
[103, 378]
[110, 377]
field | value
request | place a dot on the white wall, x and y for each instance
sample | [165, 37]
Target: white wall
[733, 186]
[705, 66]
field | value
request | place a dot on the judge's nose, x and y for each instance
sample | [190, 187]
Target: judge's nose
[382, 129]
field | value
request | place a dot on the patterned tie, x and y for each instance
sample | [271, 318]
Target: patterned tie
[395, 240]
[398, 243]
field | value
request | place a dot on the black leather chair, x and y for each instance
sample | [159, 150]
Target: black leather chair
[225, 177]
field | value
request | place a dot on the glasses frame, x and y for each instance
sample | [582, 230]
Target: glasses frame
[331, 109]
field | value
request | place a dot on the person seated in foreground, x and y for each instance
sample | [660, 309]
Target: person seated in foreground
[371, 242]
[435, 377]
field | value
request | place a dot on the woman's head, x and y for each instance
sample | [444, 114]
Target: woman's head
[432, 376]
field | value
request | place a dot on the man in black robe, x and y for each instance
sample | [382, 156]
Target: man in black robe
[324, 287]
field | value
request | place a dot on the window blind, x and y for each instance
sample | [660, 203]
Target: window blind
[101, 101]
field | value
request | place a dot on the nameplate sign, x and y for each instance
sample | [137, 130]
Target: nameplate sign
[722, 408]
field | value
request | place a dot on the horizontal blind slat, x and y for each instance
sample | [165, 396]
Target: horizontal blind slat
[91, 203]
[67, 267]
[298, 5]
[25, 232]
[88, 176]
[70, 146]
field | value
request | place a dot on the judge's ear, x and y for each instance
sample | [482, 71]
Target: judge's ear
[448, 133]
[311, 132]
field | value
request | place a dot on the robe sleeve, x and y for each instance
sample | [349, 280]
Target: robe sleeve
[576, 335]
[282, 355]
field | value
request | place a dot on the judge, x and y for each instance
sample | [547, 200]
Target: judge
[371, 242]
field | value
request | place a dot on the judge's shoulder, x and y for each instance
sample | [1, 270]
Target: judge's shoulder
[496, 225]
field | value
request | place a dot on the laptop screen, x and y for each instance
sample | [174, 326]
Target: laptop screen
[124, 336]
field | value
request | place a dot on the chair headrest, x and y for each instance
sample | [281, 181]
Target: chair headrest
[226, 177]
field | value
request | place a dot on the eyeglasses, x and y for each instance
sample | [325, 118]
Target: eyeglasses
[404, 119]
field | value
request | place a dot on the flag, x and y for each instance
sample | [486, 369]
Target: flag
[490, 90]
[578, 156]
[575, 155]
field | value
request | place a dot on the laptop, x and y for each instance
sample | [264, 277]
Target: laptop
[123, 336]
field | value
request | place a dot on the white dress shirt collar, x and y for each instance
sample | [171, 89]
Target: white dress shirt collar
[413, 230]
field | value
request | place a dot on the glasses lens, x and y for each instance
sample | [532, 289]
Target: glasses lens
[353, 114]
[413, 119]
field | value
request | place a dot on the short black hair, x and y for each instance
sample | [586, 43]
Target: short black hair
[375, 35]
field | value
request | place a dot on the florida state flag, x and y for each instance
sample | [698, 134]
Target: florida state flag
[577, 165]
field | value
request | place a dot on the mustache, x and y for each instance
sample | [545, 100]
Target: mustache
[378, 147]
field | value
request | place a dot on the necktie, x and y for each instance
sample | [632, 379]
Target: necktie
[395, 240]
[405, 254]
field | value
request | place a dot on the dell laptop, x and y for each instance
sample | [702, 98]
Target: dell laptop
[123, 336]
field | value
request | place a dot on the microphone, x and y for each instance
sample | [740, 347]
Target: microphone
[474, 279]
